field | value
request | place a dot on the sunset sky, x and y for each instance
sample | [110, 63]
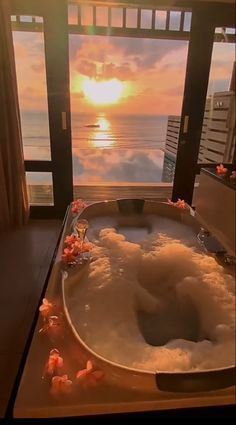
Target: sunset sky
[111, 77]
[150, 72]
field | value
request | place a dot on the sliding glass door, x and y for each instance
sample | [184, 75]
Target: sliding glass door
[127, 82]
[40, 36]
[208, 117]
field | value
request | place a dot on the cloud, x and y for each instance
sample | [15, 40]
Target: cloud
[32, 44]
[28, 90]
[122, 72]
[78, 168]
[173, 91]
[146, 52]
[78, 95]
[99, 58]
[138, 167]
[218, 85]
[32, 99]
[123, 53]
[75, 42]
[105, 71]
[95, 49]
[87, 68]
[117, 165]
[38, 67]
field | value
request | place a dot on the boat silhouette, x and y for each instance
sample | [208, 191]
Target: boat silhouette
[93, 125]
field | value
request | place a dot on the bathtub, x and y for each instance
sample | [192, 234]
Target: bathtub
[131, 216]
[123, 388]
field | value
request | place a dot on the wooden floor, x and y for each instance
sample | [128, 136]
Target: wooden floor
[25, 257]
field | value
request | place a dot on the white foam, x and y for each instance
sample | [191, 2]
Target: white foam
[158, 274]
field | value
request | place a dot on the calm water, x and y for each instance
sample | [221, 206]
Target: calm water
[105, 148]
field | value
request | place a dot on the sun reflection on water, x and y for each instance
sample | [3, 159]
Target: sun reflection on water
[102, 140]
[102, 137]
[103, 123]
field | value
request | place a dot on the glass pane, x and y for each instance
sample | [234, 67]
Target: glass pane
[40, 188]
[32, 92]
[187, 21]
[146, 19]
[72, 14]
[116, 17]
[131, 18]
[25, 18]
[122, 92]
[39, 19]
[160, 23]
[230, 30]
[86, 15]
[175, 21]
[217, 138]
[101, 16]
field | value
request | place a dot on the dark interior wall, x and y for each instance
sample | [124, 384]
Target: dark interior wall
[28, 4]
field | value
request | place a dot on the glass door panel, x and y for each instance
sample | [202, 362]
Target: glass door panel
[32, 92]
[217, 144]
[40, 36]
[29, 50]
[217, 138]
[126, 100]
[40, 188]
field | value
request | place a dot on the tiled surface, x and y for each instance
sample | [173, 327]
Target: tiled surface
[25, 257]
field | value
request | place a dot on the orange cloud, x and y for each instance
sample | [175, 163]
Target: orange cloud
[95, 51]
[122, 72]
[154, 69]
[87, 68]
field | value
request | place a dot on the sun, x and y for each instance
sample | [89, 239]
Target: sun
[102, 92]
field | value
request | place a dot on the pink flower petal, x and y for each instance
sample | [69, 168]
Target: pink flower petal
[77, 205]
[89, 366]
[56, 380]
[81, 373]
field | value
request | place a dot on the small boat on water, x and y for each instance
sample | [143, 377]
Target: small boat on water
[93, 125]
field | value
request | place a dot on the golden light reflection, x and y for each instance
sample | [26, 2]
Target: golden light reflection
[102, 140]
[102, 137]
[102, 92]
[103, 124]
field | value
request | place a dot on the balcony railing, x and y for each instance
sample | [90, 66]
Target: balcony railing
[43, 194]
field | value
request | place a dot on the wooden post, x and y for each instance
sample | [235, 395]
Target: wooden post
[57, 72]
[196, 83]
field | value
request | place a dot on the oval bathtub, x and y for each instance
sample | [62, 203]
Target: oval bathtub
[165, 319]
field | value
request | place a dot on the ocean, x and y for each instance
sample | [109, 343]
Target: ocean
[105, 148]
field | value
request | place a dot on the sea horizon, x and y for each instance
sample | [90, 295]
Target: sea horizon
[105, 147]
